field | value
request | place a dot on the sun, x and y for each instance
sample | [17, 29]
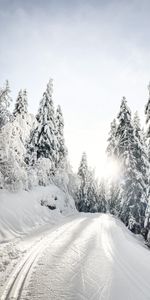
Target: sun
[111, 169]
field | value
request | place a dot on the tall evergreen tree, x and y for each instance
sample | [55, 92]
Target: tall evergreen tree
[92, 192]
[83, 204]
[124, 132]
[114, 198]
[112, 139]
[147, 213]
[21, 106]
[43, 140]
[88, 194]
[133, 202]
[61, 148]
[141, 155]
[102, 198]
[147, 113]
[113, 186]
[12, 153]
[5, 101]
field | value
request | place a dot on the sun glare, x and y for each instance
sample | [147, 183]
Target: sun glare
[111, 170]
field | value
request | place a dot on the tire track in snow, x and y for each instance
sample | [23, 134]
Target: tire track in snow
[85, 260]
[16, 284]
[69, 267]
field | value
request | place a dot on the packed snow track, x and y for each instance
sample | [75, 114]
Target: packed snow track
[90, 257]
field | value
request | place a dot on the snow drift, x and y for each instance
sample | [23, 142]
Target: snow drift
[22, 211]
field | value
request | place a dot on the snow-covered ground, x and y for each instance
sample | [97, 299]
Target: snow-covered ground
[87, 256]
[24, 222]
[21, 212]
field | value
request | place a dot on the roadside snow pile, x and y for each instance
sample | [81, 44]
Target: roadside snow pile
[22, 211]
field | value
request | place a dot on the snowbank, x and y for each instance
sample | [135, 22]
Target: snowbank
[22, 211]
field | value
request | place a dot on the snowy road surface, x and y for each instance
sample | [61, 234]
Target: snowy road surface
[90, 257]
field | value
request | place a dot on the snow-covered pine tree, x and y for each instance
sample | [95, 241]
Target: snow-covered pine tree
[113, 198]
[83, 204]
[124, 132]
[21, 105]
[92, 192]
[133, 208]
[88, 191]
[102, 197]
[5, 101]
[147, 213]
[61, 148]
[133, 203]
[113, 186]
[112, 139]
[141, 155]
[147, 113]
[13, 137]
[43, 139]
[12, 153]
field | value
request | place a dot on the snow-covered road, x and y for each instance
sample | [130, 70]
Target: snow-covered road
[89, 257]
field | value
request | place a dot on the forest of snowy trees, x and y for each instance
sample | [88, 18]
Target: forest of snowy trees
[32, 148]
[126, 196]
[33, 152]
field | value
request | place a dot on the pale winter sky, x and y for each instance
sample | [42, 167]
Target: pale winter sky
[96, 52]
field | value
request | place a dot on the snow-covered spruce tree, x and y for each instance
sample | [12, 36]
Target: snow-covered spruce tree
[113, 185]
[12, 151]
[102, 198]
[142, 165]
[112, 141]
[87, 193]
[147, 113]
[92, 192]
[61, 148]
[147, 213]
[43, 139]
[133, 199]
[5, 101]
[83, 204]
[22, 118]
[13, 137]
[21, 105]
[113, 198]
[124, 132]
[141, 155]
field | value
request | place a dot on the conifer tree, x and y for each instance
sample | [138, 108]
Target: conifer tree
[141, 155]
[114, 204]
[61, 148]
[83, 204]
[113, 186]
[88, 195]
[147, 113]
[43, 140]
[112, 139]
[12, 153]
[5, 101]
[133, 207]
[102, 199]
[21, 105]
[147, 213]
[92, 192]
[124, 132]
